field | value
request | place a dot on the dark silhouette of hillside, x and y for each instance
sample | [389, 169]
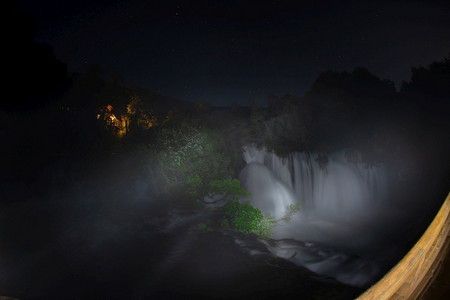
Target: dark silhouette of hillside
[34, 76]
[429, 88]
[340, 110]
[433, 80]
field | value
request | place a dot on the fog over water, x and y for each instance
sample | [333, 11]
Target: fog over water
[347, 220]
[96, 229]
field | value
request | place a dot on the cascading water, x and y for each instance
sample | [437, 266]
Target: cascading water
[341, 204]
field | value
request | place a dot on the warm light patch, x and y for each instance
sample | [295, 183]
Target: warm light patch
[136, 115]
[146, 121]
[118, 127]
[124, 125]
[111, 120]
[133, 105]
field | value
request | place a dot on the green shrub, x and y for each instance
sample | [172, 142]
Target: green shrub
[188, 157]
[195, 185]
[264, 228]
[247, 219]
[228, 187]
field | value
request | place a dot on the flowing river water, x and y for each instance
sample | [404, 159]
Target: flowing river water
[100, 232]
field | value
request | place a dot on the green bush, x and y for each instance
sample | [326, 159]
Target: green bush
[188, 157]
[247, 219]
[264, 228]
[195, 185]
[228, 187]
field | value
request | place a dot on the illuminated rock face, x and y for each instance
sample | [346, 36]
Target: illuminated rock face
[342, 210]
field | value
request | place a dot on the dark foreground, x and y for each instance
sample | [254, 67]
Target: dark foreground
[80, 229]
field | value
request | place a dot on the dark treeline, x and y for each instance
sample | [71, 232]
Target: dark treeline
[34, 76]
[53, 113]
[342, 105]
[79, 149]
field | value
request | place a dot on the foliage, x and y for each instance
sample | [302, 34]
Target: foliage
[244, 217]
[433, 80]
[228, 187]
[195, 185]
[290, 126]
[247, 219]
[198, 188]
[264, 228]
[334, 88]
[189, 157]
[293, 208]
[142, 117]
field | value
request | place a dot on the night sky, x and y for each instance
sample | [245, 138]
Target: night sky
[232, 51]
[103, 185]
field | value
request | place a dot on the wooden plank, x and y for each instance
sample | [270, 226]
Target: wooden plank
[413, 274]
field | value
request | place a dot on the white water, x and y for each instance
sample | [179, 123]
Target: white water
[342, 214]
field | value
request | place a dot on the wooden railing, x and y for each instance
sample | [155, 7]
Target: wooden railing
[410, 278]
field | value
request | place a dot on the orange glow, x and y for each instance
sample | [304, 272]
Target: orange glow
[147, 121]
[124, 123]
[132, 106]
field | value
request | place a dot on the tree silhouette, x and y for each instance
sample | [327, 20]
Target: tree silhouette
[84, 89]
[335, 88]
[432, 81]
[429, 89]
[34, 76]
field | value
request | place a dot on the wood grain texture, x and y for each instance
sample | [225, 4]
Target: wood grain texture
[411, 277]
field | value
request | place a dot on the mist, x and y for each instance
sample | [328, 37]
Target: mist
[348, 219]
[286, 169]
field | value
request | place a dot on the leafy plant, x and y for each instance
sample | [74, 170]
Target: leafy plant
[264, 228]
[228, 187]
[195, 185]
[293, 208]
[189, 157]
[248, 219]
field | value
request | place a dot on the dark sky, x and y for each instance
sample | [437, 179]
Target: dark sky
[231, 51]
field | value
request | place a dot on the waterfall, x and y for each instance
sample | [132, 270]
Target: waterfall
[341, 207]
[339, 190]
